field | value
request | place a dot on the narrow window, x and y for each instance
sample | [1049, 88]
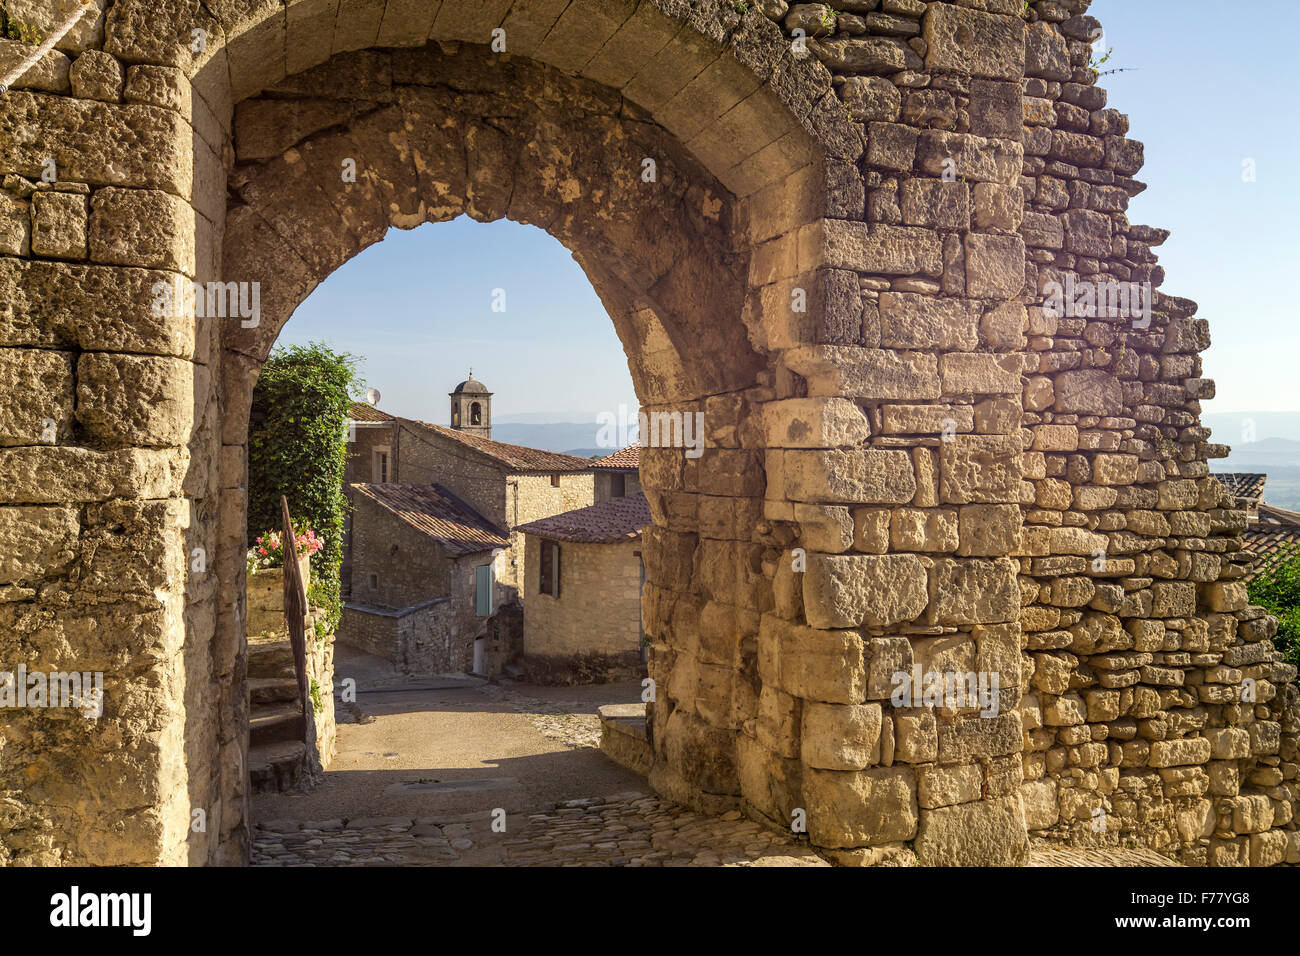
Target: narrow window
[549, 573]
[483, 590]
[374, 581]
[380, 473]
[555, 481]
[617, 486]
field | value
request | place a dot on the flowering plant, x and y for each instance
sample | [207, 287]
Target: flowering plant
[268, 551]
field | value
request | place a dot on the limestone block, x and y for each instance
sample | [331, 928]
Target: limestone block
[989, 530]
[36, 540]
[1108, 469]
[969, 41]
[97, 143]
[1088, 392]
[825, 528]
[973, 591]
[1229, 743]
[61, 474]
[916, 737]
[1003, 327]
[1039, 800]
[823, 665]
[935, 203]
[995, 266]
[49, 74]
[97, 76]
[881, 374]
[979, 469]
[978, 159]
[48, 15]
[998, 208]
[36, 404]
[885, 249]
[926, 419]
[1251, 814]
[840, 736]
[139, 399]
[1046, 53]
[142, 227]
[978, 373]
[1226, 596]
[886, 656]
[165, 86]
[871, 99]
[967, 738]
[983, 833]
[862, 476]
[1268, 848]
[865, 54]
[912, 321]
[940, 786]
[15, 227]
[855, 590]
[59, 225]
[1179, 753]
[856, 809]
[871, 529]
[915, 529]
[815, 423]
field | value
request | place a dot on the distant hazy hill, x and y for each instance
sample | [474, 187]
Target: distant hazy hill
[571, 438]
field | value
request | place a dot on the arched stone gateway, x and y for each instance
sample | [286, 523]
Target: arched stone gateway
[842, 256]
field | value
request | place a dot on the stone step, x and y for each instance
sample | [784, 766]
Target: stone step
[270, 690]
[275, 723]
[277, 767]
[270, 659]
[624, 737]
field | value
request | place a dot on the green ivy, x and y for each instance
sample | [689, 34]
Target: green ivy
[1277, 588]
[296, 448]
[11, 29]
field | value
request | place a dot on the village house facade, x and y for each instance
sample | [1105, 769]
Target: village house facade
[424, 588]
[582, 595]
[617, 475]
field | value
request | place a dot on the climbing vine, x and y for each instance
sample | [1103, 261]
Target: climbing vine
[296, 448]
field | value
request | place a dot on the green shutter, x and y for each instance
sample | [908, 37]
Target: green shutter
[483, 590]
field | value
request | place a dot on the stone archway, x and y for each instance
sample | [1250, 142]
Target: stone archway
[910, 462]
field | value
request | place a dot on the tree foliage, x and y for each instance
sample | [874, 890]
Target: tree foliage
[297, 448]
[1277, 587]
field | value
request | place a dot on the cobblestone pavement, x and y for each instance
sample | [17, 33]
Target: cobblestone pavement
[551, 718]
[632, 829]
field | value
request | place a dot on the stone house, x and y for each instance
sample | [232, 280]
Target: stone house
[618, 474]
[506, 484]
[425, 589]
[582, 595]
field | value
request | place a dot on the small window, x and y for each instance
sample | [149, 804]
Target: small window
[555, 481]
[374, 581]
[549, 573]
[380, 475]
[617, 486]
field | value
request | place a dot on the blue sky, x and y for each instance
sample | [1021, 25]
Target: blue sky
[1203, 98]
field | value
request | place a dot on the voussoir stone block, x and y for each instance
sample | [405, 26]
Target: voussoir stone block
[842, 591]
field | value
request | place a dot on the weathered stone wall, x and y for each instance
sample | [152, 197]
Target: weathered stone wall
[408, 566]
[833, 264]
[532, 497]
[598, 611]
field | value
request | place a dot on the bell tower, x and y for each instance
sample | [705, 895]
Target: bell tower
[471, 408]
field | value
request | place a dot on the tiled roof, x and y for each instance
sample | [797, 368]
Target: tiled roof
[517, 457]
[1274, 536]
[439, 514]
[361, 412]
[613, 520]
[1243, 484]
[628, 458]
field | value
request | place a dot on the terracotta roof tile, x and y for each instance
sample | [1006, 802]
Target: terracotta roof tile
[438, 513]
[613, 520]
[628, 458]
[361, 412]
[1276, 535]
[518, 457]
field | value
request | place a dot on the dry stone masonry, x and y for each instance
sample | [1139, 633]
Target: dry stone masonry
[857, 237]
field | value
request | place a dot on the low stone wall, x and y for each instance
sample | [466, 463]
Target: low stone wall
[566, 669]
[320, 677]
[265, 590]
